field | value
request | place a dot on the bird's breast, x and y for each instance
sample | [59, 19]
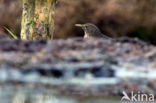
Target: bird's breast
[86, 36]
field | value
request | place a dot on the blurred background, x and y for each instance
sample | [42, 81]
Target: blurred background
[116, 18]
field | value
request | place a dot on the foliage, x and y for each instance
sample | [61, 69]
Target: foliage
[11, 33]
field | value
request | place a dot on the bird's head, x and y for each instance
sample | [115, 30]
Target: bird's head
[89, 29]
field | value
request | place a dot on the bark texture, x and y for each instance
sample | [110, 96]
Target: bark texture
[38, 19]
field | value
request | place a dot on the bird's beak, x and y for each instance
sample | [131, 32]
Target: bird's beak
[79, 25]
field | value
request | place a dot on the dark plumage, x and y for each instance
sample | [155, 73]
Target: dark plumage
[91, 30]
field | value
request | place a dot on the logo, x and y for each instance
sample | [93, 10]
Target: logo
[125, 97]
[137, 97]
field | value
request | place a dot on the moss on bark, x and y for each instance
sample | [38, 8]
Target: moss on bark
[38, 19]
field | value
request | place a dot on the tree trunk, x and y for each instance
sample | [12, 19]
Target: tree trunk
[38, 19]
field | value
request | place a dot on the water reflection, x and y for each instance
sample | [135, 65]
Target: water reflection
[22, 94]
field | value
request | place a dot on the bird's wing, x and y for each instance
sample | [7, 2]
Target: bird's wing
[106, 37]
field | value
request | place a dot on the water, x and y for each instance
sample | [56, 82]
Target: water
[22, 94]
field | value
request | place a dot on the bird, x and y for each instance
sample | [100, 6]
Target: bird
[91, 30]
